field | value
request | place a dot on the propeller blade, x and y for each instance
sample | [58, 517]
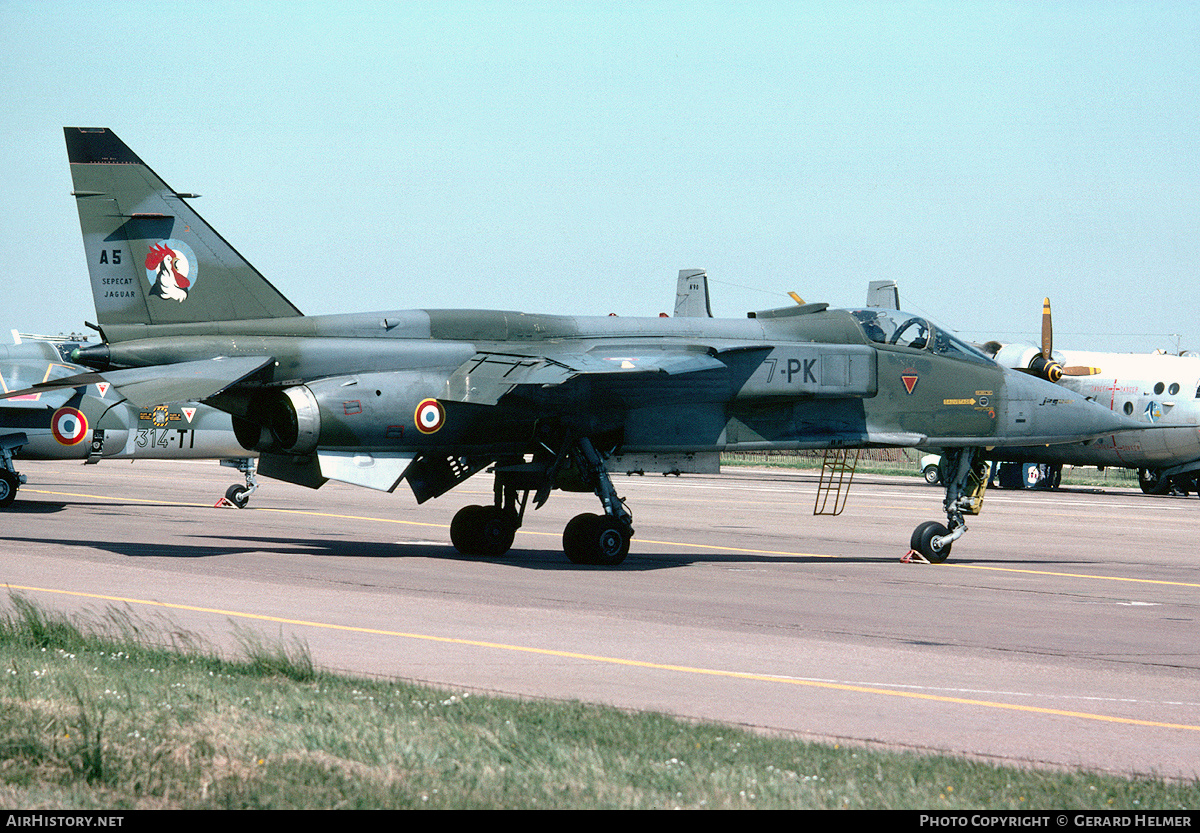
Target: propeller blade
[1047, 331]
[1080, 370]
[1044, 364]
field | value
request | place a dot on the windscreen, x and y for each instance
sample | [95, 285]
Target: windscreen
[902, 329]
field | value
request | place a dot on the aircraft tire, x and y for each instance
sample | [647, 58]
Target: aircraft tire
[482, 530]
[496, 531]
[1152, 482]
[8, 488]
[238, 495]
[931, 475]
[601, 540]
[922, 541]
[575, 538]
[463, 529]
[1054, 477]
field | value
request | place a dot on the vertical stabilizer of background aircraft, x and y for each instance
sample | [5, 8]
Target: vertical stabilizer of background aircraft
[883, 294]
[691, 298]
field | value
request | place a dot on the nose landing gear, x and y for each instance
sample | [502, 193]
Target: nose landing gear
[965, 473]
[236, 495]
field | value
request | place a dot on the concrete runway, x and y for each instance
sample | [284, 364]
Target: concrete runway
[1061, 632]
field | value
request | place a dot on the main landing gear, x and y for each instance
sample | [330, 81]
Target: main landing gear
[1163, 482]
[10, 478]
[237, 495]
[598, 539]
[588, 539]
[964, 472]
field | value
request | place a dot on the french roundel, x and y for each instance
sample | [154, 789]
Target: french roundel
[430, 416]
[68, 426]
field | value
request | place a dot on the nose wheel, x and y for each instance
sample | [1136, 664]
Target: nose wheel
[9, 483]
[928, 542]
[236, 495]
[10, 478]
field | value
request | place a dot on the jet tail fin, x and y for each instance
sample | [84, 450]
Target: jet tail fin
[883, 294]
[691, 296]
[151, 258]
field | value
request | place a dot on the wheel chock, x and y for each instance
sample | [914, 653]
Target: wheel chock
[914, 557]
[224, 503]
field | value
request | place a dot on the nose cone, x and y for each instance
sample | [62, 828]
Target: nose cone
[1037, 412]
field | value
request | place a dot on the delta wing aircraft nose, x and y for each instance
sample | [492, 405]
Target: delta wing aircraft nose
[1039, 412]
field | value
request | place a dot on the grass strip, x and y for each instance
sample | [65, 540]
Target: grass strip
[107, 712]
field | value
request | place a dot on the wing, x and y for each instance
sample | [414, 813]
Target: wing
[163, 384]
[488, 376]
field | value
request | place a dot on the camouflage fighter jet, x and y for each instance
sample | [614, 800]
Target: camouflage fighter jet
[434, 396]
[93, 422]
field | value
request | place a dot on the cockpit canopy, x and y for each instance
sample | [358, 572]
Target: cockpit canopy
[901, 329]
[26, 374]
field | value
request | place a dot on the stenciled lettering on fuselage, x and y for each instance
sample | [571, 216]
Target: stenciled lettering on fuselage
[981, 401]
[791, 368]
[160, 416]
[831, 369]
[166, 438]
[167, 428]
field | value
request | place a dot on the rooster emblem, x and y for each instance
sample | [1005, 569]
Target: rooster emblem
[168, 267]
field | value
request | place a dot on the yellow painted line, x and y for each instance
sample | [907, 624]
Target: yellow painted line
[629, 663]
[714, 547]
[1072, 575]
[110, 497]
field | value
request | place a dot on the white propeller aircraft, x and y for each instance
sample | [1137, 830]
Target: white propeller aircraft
[1159, 389]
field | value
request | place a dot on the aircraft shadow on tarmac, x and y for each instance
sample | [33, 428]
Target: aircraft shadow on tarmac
[528, 559]
[25, 507]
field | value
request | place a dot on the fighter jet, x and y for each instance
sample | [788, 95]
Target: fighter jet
[432, 397]
[93, 422]
[1160, 391]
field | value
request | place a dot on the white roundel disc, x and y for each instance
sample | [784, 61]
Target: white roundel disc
[430, 416]
[68, 426]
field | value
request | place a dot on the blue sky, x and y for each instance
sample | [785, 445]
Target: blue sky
[572, 157]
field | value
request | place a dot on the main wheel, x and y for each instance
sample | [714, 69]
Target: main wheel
[922, 542]
[1152, 482]
[8, 488]
[496, 531]
[931, 475]
[1054, 478]
[463, 529]
[482, 530]
[1187, 483]
[596, 539]
[1012, 476]
[239, 496]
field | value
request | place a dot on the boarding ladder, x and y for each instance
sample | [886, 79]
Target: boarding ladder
[837, 472]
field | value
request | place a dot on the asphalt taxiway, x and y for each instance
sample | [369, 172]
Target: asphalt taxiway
[1062, 631]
